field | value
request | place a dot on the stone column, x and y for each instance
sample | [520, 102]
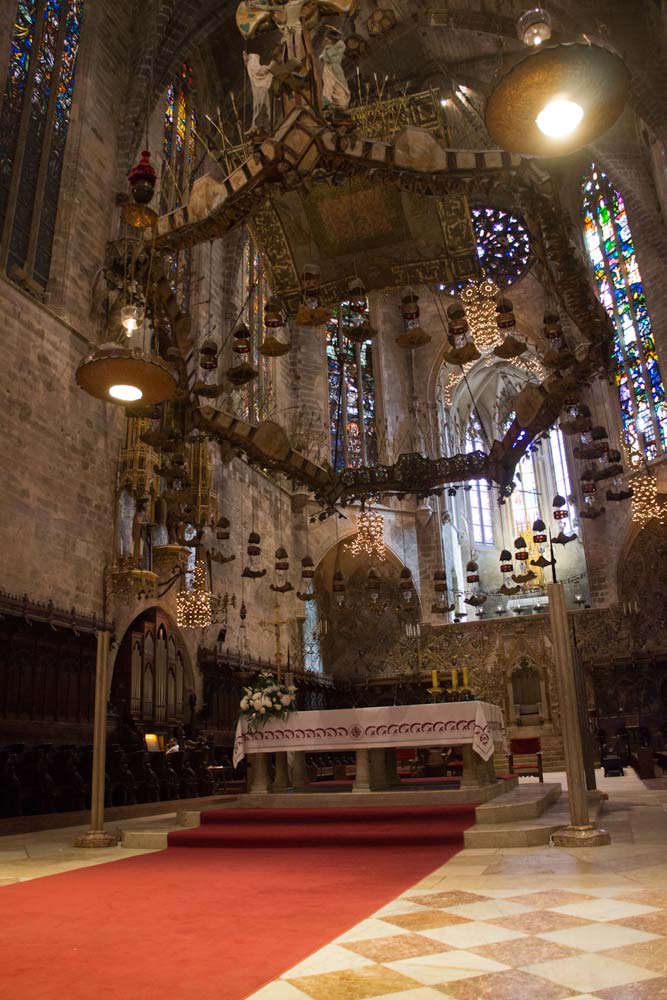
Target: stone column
[377, 761]
[299, 778]
[393, 780]
[97, 836]
[281, 777]
[581, 832]
[362, 782]
[258, 764]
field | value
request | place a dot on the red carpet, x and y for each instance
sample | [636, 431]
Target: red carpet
[216, 923]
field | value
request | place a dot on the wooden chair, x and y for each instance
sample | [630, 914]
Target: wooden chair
[524, 748]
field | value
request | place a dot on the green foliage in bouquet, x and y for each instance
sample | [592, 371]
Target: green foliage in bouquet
[267, 700]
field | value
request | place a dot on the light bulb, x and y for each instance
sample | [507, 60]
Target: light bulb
[559, 118]
[534, 26]
[130, 317]
[126, 393]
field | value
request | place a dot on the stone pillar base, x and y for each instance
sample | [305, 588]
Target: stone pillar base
[580, 836]
[97, 838]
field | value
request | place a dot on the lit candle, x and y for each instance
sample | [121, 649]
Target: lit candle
[455, 679]
[465, 677]
[434, 678]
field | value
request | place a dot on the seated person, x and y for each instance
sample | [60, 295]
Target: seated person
[172, 746]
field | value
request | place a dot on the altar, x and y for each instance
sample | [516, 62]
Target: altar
[476, 726]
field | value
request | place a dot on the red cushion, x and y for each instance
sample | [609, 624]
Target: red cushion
[531, 745]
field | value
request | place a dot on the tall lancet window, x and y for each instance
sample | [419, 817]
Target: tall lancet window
[479, 496]
[612, 254]
[351, 377]
[178, 164]
[34, 118]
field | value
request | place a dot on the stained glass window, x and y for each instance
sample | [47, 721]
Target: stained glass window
[178, 151]
[637, 371]
[34, 119]
[525, 498]
[503, 244]
[479, 496]
[257, 395]
[351, 393]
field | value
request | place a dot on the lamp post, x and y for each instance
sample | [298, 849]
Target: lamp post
[97, 836]
[581, 832]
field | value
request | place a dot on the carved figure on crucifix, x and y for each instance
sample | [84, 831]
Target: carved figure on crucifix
[261, 79]
[289, 24]
[335, 91]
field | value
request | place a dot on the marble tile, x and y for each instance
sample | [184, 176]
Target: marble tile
[441, 900]
[509, 985]
[645, 896]
[528, 951]
[392, 948]
[588, 972]
[425, 920]
[604, 909]
[398, 906]
[370, 928]
[278, 990]
[422, 993]
[549, 899]
[446, 967]
[654, 989]
[355, 984]
[471, 934]
[650, 955]
[331, 958]
[598, 937]
[654, 923]
[583, 996]
[488, 909]
[539, 921]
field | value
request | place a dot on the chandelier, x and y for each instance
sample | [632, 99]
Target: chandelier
[646, 502]
[480, 301]
[369, 539]
[194, 608]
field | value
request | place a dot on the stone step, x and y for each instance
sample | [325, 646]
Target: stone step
[528, 832]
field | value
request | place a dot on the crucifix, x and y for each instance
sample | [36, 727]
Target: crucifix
[277, 624]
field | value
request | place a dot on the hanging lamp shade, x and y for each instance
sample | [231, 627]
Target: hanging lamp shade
[557, 84]
[124, 375]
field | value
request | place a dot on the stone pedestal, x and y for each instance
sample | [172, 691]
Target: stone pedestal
[580, 836]
[281, 777]
[299, 774]
[362, 780]
[258, 783]
[476, 772]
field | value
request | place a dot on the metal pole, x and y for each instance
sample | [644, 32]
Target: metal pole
[581, 831]
[96, 836]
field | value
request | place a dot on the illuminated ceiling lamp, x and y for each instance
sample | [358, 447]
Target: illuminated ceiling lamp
[117, 374]
[534, 26]
[558, 98]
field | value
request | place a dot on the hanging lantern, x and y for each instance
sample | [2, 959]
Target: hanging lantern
[534, 26]
[560, 513]
[272, 346]
[506, 565]
[224, 554]
[506, 569]
[521, 549]
[339, 588]
[242, 373]
[413, 336]
[208, 355]
[252, 571]
[619, 492]
[281, 584]
[556, 353]
[539, 532]
[513, 343]
[462, 348]
[405, 585]
[441, 606]
[580, 421]
[471, 571]
[131, 318]
[307, 574]
[142, 178]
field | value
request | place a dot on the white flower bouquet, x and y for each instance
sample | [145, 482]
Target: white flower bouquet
[267, 700]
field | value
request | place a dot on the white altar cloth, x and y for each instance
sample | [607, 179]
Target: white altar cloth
[449, 724]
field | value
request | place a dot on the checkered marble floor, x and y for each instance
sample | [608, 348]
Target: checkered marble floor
[513, 924]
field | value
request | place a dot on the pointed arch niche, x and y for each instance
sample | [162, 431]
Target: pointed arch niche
[473, 410]
[152, 681]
